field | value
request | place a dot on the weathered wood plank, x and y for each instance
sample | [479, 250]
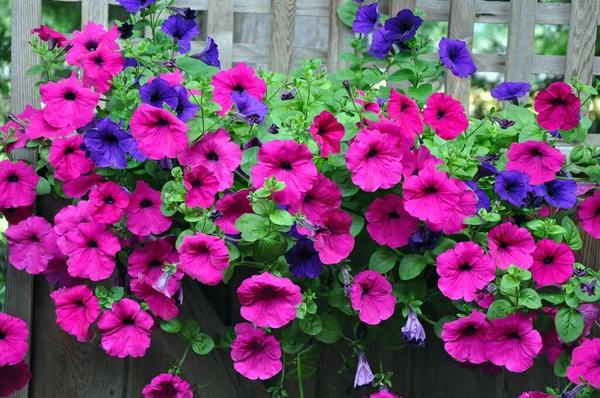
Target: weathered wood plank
[582, 40]
[94, 10]
[338, 38]
[220, 28]
[398, 5]
[460, 26]
[282, 24]
[521, 32]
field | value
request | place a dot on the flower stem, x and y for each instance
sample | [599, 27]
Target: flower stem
[427, 320]
[300, 388]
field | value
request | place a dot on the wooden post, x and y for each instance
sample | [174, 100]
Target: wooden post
[399, 5]
[282, 22]
[582, 40]
[220, 28]
[521, 32]
[338, 38]
[94, 10]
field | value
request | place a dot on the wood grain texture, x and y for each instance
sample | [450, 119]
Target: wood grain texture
[282, 25]
[398, 5]
[94, 10]
[521, 32]
[220, 28]
[582, 40]
[460, 26]
[338, 38]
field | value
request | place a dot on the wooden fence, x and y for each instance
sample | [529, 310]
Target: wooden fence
[298, 29]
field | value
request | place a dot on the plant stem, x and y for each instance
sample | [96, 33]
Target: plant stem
[184, 355]
[427, 320]
[300, 388]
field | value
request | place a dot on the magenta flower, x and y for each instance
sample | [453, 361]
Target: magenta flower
[38, 127]
[513, 342]
[57, 272]
[19, 124]
[202, 186]
[54, 38]
[125, 329]
[585, 362]
[289, 162]
[13, 378]
[91, 250]
[68, 158]
[255, 354]
[232, 206]
[372, 297]
[161, 305]
[167, 385]
[143, 212]
[464, 270]
[406, 114]
[538, 159]
[79, 186]
[552, 263]
[323, 196]
[31, 244]
[465, 338]
[466, 207]
[375, 160]
[446, 116]
[327, 132]
[430, 195]
[557, 107]
[204, 257]
[89, 40]
[217, 153]
[159, 133]
[416, 160]
[76, 309]
[15, 215]
[588, 213]
[108, 203]
[333, 240]
[68, 103]
[13, 341]
[392, 128]
[100, 66]
[17, 184]
[239, 78]
[268, 300]
[388, 222]
[150, 260]
[509, 244]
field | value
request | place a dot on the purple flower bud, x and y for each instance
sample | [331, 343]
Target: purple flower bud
[13, 118]
[290, 95]
[171, 63]
[364, 375]
[485, 292]
[125, 30]
[346, 84]
[413, 331]
[573, 393]
[424, 239]
[273, 129]
[179, 296]
[580, 272]
[187, 13]
[254, 141]
[215, 215]
[503, 123]
[165, 163]
[64, 50]
[162, 284]
[346, 277]
[589, 287]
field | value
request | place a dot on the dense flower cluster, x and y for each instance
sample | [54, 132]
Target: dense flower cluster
[189, 171]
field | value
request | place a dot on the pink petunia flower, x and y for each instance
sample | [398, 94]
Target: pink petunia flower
[538, 159]
[416, 160]
[268, 300]
[204, 257]
[167, 385]
[239, 78]
[100, 66]
[383, 394]
[68, 158]
[375, 160]
[125, 329]
[38, 127]
[585, 362]
[509, 244]
[445, 115]
[90, 39]
[13, 344]
[108, 203]
[289, 162]
[465, 338]
[233, 206]
[144, 216]
[430, 195]
[388, 222]
[54, 38]
[69, 218]
[14, 378]
[68, 103]
[255, 354]
[91, 250]
[535, 394]
[15, 215]
[588, 213]
[173, 78]
[513, 342]
[323, 196]
[217, 153]
[31, 244]
[466, 207]
[558, 107]
[372, 297]
[150, 260]
[17, 184]
[366, 106]
[552, 262]
[159, 304]
[202, 186]
[19, 129]
[328, 133]
[79, 186]
[57, 272]
[333, 240]
[76, 309]
[159, 133]
[406, 113]
[390, 127]
[553, 346]
[463, 270]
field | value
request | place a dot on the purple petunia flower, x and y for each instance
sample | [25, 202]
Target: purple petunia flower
[577, 271]
[413, 331]
[273, 129]
[249, 109]
[380, 44]
[589, 287]
[135, 5]
[253, 142]
[181, 30]
[366, 19]
[304, 260]
[510, 91]
[289, 95]
[512, 186]
[364, 376]
[559, 193]
[532, 200]
[185, 109]
[107, 144]
[483, 200]
[125, 30]
[424, 239]
[186, 13]
[159, 92]
[455, 55]
[403, 26]
[210, 54]
[503, 123]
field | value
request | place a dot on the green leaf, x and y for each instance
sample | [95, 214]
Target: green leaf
[411, 266]
[444, 244]
[437, 328]
[282, 217]
[249, 159]
[343, 180]
[552, 294]
[401, 75]
[345, 74]
[531, 133]
[358, 222]
[500, 309]
[203, 344]
[291, 343]
[530, 299]
[43, 187]
[172, 326]
[227, 337]
[270, 247]
[189, 329]
[521, 116]
[383, 260]
[331, 329]
[196, 68]
[509, 282]
[311, 324]
[182, 235]
[569, 324]
[571, 234]
[579, 132]
[562, 363]
[251, 226]
[35, 70]
[347, 12]
[421, 93]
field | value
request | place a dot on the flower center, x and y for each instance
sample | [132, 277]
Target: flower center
[109, 200]
[128, 321]
[371, 153]
[34, 238]
[212, 156]
[503, 245]
[466, 267]
[308, 198]
[269, 293]
[15, 178]
[162, 122]
[70, 96]
[238, 88]
[548, 260]
[470, 330]
[111, 138]
[440, 114]
[196, 183]
[92, 244]
[91, 45]
[69, 150]
[145, 203]
[155, 263]
[79, 303]
[2, 336]
[98, 60]
[535, 152]
[394, 215]
[431, 190]
[286, 165]
[515, 335]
